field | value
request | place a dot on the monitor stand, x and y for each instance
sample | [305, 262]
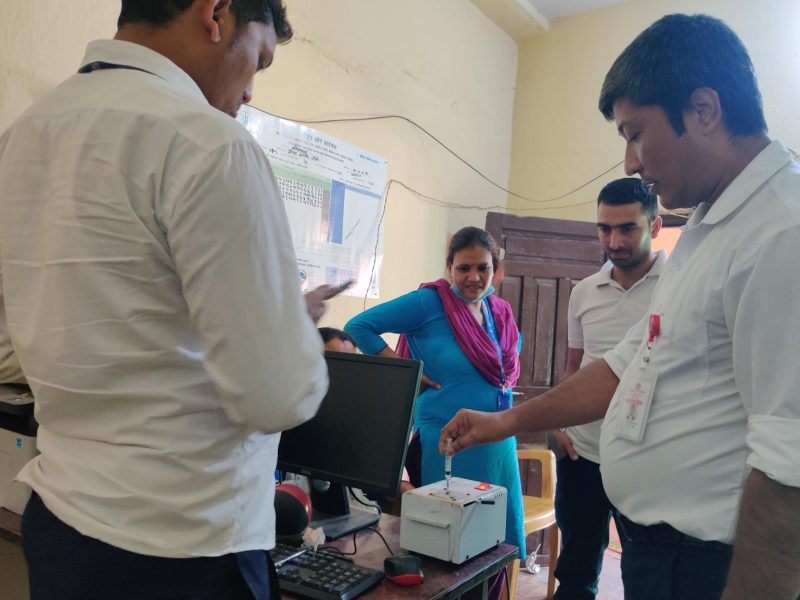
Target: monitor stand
[336, 526]
[331, 510]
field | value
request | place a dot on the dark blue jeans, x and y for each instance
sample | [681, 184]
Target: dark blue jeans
[63, 564]
[661, 563]
[583, 513]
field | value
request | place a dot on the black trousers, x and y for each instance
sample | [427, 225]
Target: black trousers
[63, 564]
[661, 563]
[583, 513]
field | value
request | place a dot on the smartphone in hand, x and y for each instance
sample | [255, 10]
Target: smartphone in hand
[342, 287]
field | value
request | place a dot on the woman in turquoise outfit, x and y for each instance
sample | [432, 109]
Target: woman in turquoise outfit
[468, 341]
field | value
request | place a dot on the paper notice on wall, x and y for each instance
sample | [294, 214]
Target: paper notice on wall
[333, 193]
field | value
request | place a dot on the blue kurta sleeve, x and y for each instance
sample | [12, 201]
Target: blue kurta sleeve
[401, 315]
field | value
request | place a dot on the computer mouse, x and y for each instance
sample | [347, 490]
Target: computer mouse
[403, 569]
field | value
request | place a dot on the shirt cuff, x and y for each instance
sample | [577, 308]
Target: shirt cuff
[774, 448]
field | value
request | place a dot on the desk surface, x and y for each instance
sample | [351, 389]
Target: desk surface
[10, 524]
[442, 579]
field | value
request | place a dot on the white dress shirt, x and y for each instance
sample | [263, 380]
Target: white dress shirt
[153, 303]
[599, 315]
[728, 390]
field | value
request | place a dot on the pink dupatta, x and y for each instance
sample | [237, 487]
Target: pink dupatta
[473, 339]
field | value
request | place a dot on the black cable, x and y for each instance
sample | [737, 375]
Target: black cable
[447, 148]
[383, 538]
[342, 552]
[443, 204]
[375, 252]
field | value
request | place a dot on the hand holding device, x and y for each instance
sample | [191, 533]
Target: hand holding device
[315, 299]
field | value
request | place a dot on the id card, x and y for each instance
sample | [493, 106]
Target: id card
[637, 396]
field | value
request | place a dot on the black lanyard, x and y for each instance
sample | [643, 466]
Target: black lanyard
[99, 65]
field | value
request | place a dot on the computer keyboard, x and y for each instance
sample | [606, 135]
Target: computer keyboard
[322, 575]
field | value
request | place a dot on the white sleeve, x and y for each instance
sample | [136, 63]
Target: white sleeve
[229, 237]
[10, 370]
[621, 355]
[574, 327]
[762, 313]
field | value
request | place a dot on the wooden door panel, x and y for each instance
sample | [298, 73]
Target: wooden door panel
[536, 267]
[544, 259]
[545, 329]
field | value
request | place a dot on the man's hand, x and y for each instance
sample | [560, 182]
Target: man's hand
[766, 551]
[470, 428]
[405, 486]
[560, 441]
[315, 299]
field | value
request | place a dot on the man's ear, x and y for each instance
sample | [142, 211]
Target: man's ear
[704, 112]
[212, 13]
[655, 227]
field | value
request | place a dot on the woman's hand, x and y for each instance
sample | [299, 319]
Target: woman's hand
[426, 382]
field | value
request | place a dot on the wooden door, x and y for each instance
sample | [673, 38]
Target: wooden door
[544, 259]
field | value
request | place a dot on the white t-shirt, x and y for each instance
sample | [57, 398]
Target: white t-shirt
[728, 391]
[152, 301]
[600, 313]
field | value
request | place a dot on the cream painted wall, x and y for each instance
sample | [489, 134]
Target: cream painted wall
[442, 64]
[560, 138]
[42, 43]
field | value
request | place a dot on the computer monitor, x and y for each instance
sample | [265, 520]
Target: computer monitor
[357, 439]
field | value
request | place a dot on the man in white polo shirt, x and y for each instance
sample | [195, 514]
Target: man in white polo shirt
[699, 446]
[602, 308]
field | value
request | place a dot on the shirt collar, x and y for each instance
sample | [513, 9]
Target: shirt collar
[766, 163]
[655, 270]
[135, 55]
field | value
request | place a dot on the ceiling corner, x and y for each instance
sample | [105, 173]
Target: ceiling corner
[520, 19]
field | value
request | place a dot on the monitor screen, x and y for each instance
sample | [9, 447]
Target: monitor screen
[360, 434]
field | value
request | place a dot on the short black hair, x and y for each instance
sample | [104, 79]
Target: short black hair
[161, 12]
[467, 237]
[675, 56]
[331, 333]
[627, 191]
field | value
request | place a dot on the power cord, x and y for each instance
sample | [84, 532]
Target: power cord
[355, 545]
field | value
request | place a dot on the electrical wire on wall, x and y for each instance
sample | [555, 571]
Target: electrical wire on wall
[455, 205]
[444, 203]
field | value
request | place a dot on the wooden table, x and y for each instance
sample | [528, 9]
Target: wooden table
[443, 580]
[10, 525]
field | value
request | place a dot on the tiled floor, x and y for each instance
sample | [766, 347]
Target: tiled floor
[534, 587]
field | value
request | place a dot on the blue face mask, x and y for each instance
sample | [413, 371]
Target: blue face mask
[461, 296]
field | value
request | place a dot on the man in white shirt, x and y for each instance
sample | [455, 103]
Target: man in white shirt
[701, 400]
[601, 309]
[151, 300]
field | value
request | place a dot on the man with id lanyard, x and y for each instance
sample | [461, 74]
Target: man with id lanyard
[149, 295]
[701, 400]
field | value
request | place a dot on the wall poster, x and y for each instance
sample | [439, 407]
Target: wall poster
[333, 193]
